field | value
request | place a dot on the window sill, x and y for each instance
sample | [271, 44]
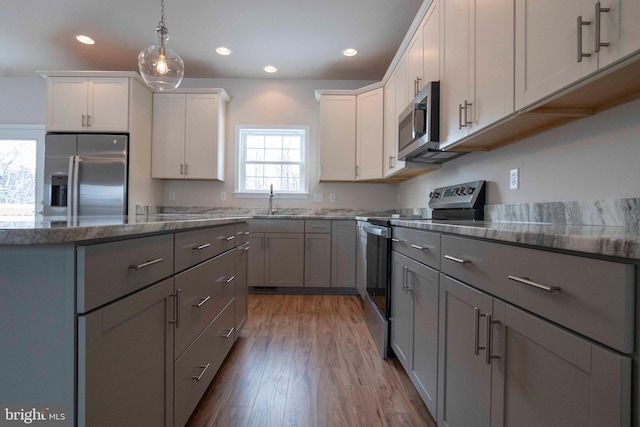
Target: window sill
[242, 195]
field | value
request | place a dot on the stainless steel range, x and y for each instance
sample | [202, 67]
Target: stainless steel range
[452, 203]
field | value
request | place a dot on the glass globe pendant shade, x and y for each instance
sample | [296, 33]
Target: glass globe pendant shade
[161, 67]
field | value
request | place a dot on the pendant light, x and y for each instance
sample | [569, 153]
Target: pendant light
[161, 67]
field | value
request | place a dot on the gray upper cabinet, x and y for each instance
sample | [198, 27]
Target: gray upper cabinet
[125, 361]
[343, 254]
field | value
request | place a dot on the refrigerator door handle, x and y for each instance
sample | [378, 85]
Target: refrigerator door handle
[70, 191]
[76, 166]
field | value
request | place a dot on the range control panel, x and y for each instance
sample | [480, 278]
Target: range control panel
[468, 195]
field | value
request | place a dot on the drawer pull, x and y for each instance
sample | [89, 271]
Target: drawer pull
[146, 264]
[242, 233]
[396, 240]
[456, 259]
[205, 367]
[227, 279]
[202, 302]
[228, 239]
[177, 320]
[228, 335]
[242, 248]
[201, 247]
[420, 248]
[526, 281]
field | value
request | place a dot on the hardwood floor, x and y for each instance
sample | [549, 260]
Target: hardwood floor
[309, 360]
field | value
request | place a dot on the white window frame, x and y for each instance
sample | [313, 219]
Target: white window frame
[239, 190]
[30, 133]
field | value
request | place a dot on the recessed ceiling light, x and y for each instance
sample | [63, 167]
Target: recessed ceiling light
[223, 50]
[270, 69]
[349, 52]
[85, 39]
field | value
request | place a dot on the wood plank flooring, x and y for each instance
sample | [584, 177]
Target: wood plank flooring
[309, 360]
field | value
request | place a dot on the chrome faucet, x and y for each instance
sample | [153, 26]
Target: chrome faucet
[271, 210]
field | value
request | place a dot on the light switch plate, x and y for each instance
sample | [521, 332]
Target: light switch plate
[223, 196]
[172, 195]
[332, 197]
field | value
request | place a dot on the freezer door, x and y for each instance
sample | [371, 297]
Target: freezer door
[58, 149]
[102, 175]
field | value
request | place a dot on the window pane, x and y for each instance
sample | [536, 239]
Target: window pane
[272, 171]
[272, 141]
[255, 155]
[253, 170]
[291, 141]
[291, 155]
[17, 177]
[273, 155]
[255, 141]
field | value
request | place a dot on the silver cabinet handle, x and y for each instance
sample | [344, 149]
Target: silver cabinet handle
[201, 247]
[242, 233]
[177, 319]
[146, 264]
[181, 169]
[411, 274]
[466, 113]
[420, 248]
[460, 125]
[600, 10]
[580, 24]
[202, 302]
[227, 279]
[186, 169]
[242, 248]
[394, 240]
[88, 120]
[456, 259]
[228, 239]
[404, 278]
[84, 121]
[526, 281]
[229, 333]
[205, 367]
[488, 339]
[476, 331]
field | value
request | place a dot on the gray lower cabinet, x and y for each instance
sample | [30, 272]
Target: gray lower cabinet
[343, 254]
[255, 259]
[361, 260]
[414, 324]
[317, 260]
[241, 289]
[501, 366]
[125, 361]
[284, 259]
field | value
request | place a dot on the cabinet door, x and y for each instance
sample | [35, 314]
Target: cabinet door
[629, 26]
[255, 269]
[125, 361]
[493, 65]
[108, 105]
[202, 148]
[424, 361]
[415, 66]
[343, 254]
[369, 142]
[317, 260]
[337, 138]
[390, 162]
[361, 265]
[431, 44]
[241, 307]
[454, 89]
[547, 47]
[66, 103]
[169, 121]
[284, 259]
[402, 89]
[401, 310]
[547, 376]
[464, 378]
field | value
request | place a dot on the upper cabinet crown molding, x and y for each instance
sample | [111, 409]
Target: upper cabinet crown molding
[360, 91]
[73, 73]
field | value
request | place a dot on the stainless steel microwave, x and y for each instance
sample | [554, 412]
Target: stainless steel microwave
[419, 130]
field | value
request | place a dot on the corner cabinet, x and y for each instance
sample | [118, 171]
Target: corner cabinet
[87, 104]
[369, 142]
[337, 137]
[189, 135]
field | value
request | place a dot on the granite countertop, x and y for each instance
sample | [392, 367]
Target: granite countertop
[46, 230]
[614, 241]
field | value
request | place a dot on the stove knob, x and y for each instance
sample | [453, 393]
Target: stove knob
[470, 190]
[431, 195]
[459, 191]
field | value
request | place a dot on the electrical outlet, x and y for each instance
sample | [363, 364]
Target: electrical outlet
[172, 195]
[514, 180]
[223, 196]
[332, 197]
[318, 197]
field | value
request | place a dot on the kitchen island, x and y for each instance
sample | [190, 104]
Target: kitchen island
[118, 320]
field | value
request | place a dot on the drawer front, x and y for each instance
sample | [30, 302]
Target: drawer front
[107, 271]
[195, 369]
[317, 226]
[595, 298]
[193, 247]
[421, 246]
[276, 226]
[242, 233]
[204, 290]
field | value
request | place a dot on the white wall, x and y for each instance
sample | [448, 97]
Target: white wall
[23, 100]
[593, 158]
[276, 102]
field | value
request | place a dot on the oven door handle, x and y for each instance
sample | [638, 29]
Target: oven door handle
[377, 231]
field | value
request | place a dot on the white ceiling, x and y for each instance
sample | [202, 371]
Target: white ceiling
[302, 38]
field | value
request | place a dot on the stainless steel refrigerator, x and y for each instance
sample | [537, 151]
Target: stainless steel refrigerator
[85, 175]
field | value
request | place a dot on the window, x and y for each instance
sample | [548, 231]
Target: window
[21, 154]
[272, 157]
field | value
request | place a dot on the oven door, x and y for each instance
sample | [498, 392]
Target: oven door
[378, 260]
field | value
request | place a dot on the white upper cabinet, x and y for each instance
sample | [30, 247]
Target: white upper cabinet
[369, 144]
[188, 136]
[477, 66]
[431, 44]
[415, 66]
[337, 137]
[390, 163]
[85, 104]
[628, 32]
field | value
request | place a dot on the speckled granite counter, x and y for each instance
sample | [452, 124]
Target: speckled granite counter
[614, 241]
[32, 231]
